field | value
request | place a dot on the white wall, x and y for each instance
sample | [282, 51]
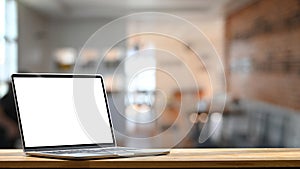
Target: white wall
[32, 41]
[72, 33]
[39, 36]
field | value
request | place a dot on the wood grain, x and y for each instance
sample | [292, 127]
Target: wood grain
[187, 158]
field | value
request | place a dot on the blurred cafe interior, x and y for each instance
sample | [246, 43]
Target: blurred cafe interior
[243, 60]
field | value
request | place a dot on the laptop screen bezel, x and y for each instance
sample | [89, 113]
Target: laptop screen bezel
[49, 75]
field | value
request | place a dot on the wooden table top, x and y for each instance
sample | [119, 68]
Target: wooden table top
[186, 158]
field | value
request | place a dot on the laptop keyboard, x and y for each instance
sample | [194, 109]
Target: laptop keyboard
[112, 150]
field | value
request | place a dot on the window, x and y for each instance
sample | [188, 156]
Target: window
[8, 41]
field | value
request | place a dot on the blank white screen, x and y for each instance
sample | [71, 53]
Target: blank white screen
[50, 117]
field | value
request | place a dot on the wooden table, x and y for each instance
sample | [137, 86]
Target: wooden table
[186, 158]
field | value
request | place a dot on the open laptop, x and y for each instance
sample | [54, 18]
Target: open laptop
[67, 116]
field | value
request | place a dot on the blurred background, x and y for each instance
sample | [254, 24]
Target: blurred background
[257, 42]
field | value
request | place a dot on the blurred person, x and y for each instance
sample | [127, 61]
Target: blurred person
[9, 131]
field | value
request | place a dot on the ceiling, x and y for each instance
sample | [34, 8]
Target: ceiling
[117, 8]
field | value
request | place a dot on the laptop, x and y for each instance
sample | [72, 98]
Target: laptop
[67, 116]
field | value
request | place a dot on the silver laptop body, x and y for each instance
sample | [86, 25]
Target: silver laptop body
[67, 116]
